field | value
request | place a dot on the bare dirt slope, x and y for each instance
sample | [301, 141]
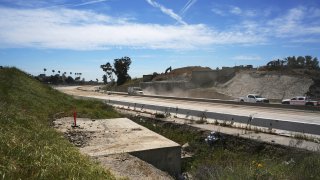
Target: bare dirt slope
[180, 74]
[271, 85]
[125, 165]
[275, 85]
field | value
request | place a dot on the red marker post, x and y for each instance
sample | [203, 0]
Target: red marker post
[74, 118]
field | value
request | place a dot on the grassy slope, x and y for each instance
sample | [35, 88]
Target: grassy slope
[29, 147]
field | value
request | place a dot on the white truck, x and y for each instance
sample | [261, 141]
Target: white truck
[254, 98]
[135, 91]
[301, 100]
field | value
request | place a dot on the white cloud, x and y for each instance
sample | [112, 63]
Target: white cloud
[247, 57]
[288, 24]
[314, 12]
[306, 40]
[51, 3]
[187, 6]
[218, 11]
[292, 24]
[235, 10]
[240, 12]
[89, 2]
[250, 13]
[29, 3]
[167, 11]
[85, 30]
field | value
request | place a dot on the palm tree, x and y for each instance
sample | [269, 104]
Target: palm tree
[79, 75]
[44, 70]
[59, 72]
[53, 72]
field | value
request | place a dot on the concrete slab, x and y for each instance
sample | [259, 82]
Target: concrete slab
[104, 137]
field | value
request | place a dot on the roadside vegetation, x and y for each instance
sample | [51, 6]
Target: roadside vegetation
[235, 157]
[29, 147]
[135, 82]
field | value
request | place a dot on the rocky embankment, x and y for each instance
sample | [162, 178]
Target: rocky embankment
[275, 85]
[271, 85]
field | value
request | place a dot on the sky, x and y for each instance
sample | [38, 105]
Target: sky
[79, 36]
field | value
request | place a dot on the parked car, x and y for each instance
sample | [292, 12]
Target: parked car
[254, 98]
[301, 100]
[135, 91]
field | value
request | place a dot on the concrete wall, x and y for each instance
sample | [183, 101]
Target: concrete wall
[167, 159]
[298, 126]
[164, 86]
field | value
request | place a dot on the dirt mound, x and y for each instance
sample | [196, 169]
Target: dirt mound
[127, 166]
[274, 85]
[180, 74]
[268, 84]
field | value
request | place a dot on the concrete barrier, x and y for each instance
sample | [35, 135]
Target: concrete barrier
[261, 122]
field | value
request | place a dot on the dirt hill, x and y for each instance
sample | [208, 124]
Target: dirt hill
[271, 84]
[180, 74]
[268, 84]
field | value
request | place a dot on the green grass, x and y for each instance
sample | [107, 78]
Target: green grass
[29, 147]
[237, 158]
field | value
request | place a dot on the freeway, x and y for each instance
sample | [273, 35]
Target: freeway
[270, 117]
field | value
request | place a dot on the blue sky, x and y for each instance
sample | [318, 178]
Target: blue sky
[79, 36]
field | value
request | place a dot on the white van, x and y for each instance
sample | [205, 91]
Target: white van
[135, 91]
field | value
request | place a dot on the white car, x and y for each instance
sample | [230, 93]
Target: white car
[300, 100]
[135, 91]
[254, 98]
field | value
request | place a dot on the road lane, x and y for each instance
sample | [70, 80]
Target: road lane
[264, 116]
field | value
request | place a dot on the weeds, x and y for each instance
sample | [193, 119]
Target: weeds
[237, 158]
[159, 115]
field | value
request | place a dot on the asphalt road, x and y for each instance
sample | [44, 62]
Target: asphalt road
[281, 118]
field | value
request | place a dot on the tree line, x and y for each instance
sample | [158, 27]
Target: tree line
[59, 77]
[293, 62]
